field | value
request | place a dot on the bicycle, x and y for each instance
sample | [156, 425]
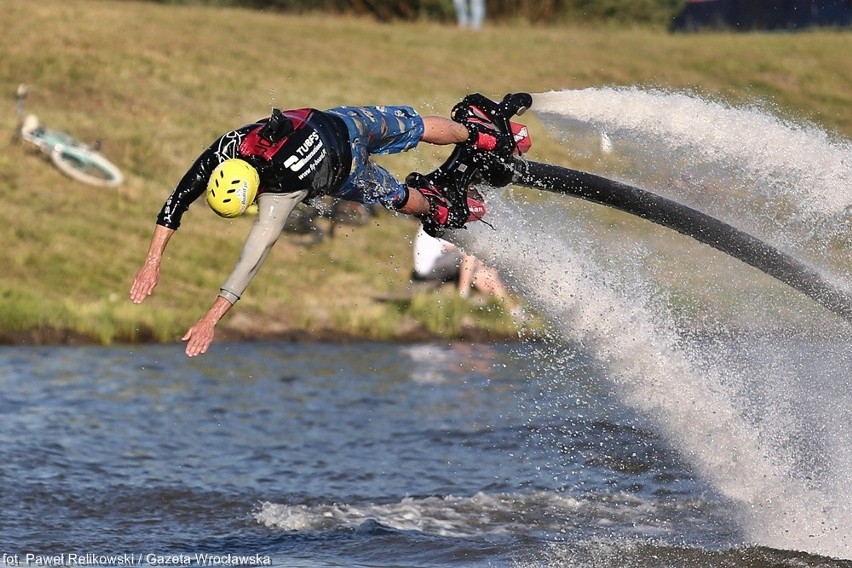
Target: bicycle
[75, 159]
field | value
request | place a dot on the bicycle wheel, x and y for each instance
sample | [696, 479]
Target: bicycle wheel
[86, 166]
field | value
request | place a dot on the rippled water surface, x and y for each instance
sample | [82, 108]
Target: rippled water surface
[343, 455]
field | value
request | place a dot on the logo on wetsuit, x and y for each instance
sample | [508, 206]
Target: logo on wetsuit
[307, 157]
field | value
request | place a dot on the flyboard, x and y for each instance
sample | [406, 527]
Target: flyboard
[468, 167]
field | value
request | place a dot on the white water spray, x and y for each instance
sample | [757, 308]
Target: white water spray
[765, 421]
[789, 184]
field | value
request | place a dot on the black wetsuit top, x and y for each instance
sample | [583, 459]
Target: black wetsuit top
[315, 156]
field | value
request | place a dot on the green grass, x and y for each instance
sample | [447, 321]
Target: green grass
[159, 82]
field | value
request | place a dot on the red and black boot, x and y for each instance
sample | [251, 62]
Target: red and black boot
[446, 211]
[489, 126]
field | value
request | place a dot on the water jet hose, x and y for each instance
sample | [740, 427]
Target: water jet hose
[690, 222]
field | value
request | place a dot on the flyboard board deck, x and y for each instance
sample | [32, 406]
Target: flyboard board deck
[690, 222]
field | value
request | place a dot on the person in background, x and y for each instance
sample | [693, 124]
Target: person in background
[470, 13]
[442, 261]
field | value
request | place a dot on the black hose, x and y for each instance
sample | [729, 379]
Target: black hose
[690, 222]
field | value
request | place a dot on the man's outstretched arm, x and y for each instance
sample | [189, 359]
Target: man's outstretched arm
[273, 211]
[148, 276]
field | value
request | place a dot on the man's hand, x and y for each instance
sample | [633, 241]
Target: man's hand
[149, 275]
[199, 337]
[145, 281]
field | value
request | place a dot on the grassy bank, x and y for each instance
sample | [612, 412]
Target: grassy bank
[160, 82]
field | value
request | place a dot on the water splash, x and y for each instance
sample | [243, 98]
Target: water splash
[481, 514]
[785, 182]
[764, 418]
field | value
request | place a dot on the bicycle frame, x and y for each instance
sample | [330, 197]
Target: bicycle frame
[72, 157]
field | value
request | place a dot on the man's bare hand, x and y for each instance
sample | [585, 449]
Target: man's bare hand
[199, 337]
[149, 275]
[144, 283]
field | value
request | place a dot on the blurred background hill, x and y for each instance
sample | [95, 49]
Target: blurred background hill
[677, 15]
[158, 82]
[553, 12]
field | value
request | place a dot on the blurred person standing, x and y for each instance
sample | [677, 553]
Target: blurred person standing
[470, 13]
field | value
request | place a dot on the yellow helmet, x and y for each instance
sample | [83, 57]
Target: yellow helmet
[232, 187]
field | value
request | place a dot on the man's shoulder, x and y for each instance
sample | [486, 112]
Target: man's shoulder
[226, 145]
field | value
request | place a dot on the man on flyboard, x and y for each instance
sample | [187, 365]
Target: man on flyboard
[294, 155]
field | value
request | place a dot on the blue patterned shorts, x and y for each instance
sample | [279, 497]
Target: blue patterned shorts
[377, 130]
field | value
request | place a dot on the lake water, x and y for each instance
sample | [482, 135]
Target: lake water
[364, 454]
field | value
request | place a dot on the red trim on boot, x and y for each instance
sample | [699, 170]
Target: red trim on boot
[485, 141]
